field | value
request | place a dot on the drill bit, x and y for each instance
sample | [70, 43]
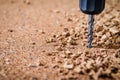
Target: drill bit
[90, 30]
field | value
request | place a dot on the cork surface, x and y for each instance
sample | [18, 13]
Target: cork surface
[47, 39]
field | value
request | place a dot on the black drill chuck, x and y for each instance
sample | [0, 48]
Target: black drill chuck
[92, 6]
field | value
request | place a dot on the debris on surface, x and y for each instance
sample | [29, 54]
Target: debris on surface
[27, 2]
[43, 41]
[77, 69]
[114, 30]
[104, 35]
[68, 66]
[97, 65]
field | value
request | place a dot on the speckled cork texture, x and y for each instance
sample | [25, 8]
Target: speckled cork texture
[47, 40]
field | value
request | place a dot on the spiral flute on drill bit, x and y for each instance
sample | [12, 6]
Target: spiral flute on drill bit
[90, 30]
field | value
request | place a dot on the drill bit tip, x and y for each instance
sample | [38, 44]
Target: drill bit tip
[89, 46]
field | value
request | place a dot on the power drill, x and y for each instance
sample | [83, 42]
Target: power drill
[91, 7]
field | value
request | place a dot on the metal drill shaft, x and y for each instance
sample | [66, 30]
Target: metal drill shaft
[90, 30]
